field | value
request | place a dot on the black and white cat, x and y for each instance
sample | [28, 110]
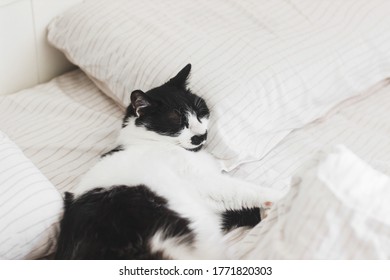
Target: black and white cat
[157, 195]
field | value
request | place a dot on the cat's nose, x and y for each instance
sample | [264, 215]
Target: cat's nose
[198, 139]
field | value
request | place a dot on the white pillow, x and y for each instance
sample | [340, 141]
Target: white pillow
[264, 67]
[337, 209]
[30, 206]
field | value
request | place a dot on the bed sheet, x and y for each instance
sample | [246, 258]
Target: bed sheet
[361, 124]
[61, 126]
[337, 208]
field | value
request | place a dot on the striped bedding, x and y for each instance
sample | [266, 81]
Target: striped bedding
[337, 209]
[30, 206]
[63, 126]
[316, 221]
[360, 123]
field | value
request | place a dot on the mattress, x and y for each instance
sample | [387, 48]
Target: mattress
[64, 125]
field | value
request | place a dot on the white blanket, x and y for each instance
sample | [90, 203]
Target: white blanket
[336, 209]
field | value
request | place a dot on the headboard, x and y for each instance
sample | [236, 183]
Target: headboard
[26, 58]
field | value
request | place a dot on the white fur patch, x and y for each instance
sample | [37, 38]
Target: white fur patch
[178, 248]
[195, 128]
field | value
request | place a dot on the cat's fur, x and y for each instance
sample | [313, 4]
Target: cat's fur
[157, 194]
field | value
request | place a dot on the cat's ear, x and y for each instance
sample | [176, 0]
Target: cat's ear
[140, 102]
[180, 80]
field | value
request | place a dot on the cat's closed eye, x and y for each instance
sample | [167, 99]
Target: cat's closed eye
[176, 117]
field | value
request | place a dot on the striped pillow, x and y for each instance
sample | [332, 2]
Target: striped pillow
[30, 206]
[264, 67]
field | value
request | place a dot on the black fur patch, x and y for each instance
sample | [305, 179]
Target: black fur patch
[246, 217]
[117, 223]
[164, 109]
[116, 149]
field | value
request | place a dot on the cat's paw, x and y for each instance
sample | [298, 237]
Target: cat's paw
[267, 204]
[265, 209]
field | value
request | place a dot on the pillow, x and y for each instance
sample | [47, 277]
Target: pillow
[264, 67]
[30, 206]
[337, 209]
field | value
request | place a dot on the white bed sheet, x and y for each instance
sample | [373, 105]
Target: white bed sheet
[361, 124]
[337, 208]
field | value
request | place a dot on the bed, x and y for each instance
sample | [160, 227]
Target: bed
[299, 95]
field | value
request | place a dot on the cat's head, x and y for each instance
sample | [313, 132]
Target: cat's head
[171, 110]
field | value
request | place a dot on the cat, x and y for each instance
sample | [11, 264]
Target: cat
[157, 194]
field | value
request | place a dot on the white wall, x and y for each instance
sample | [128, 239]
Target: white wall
[26, 58]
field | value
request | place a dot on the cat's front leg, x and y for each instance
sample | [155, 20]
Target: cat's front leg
[227, 193]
